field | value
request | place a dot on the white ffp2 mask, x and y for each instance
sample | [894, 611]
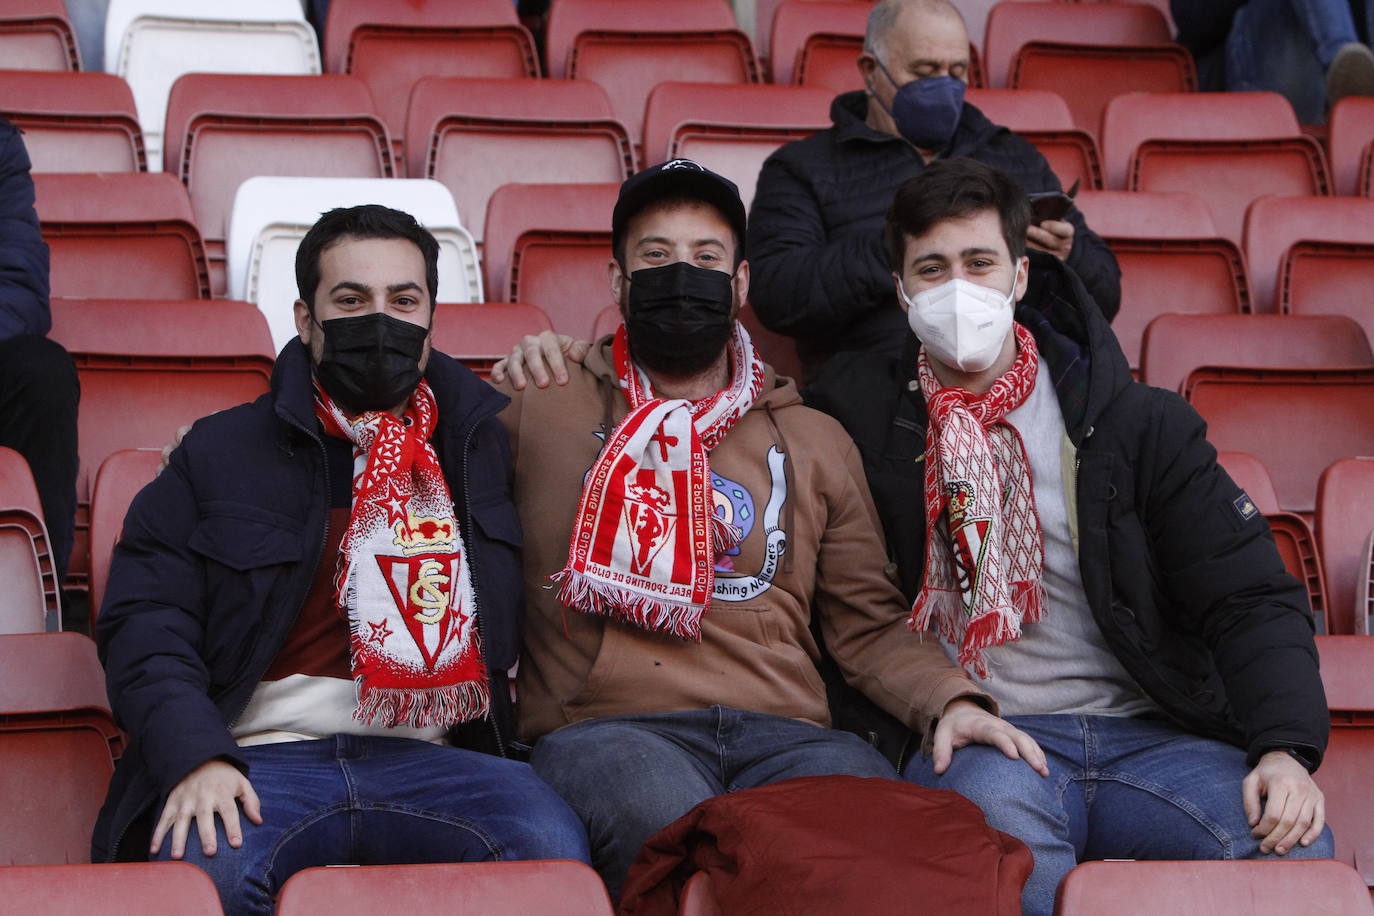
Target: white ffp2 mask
[962, 324]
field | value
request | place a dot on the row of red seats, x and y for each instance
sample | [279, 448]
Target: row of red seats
[58, 744]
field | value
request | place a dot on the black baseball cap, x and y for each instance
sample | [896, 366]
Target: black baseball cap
[677, 178]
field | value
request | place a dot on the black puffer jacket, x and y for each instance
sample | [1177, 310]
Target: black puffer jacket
[1182, 576]
[218, 555]
[815, 229]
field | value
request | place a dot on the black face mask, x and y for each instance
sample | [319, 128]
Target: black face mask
[679, 317]
[370, 362]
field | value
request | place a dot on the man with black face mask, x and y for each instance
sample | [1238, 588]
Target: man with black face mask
[318, 595]
[685, 520]
[816, 226]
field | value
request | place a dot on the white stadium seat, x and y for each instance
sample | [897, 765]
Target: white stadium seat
[271, 215]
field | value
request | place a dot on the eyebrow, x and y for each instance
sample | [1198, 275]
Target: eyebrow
[966, 253]
[366, 290]
[660, 240]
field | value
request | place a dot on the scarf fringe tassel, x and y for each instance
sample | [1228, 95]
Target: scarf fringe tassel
[423, 707]
[724, 536]
[584, 593]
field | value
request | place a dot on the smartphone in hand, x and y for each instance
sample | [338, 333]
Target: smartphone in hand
[1047, 205]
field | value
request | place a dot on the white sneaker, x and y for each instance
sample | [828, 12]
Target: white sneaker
[1351, 73]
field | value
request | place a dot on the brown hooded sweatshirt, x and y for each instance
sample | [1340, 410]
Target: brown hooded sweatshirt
[793, 481]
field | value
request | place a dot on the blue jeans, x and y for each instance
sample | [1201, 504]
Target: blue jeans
[1118, 789]
[630, 776]
[1285, 46]
[350, 800]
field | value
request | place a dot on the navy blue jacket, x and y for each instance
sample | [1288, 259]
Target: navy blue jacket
[218, 555]
[819, 270]
[1181, 574]
[23, 254]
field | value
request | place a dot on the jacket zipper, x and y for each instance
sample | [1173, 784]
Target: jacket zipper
[472, 573]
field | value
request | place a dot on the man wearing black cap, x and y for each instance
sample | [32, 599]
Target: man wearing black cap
[685, 518]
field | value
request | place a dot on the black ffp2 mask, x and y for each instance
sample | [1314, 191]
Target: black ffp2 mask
[370, 362]
[679, 316]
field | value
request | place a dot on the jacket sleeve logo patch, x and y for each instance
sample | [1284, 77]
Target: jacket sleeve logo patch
[1244, 506]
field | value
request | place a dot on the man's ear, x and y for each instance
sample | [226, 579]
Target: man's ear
[616, 277]
[740, 282]
[1022, 277]
[305, 326]
[868, 67]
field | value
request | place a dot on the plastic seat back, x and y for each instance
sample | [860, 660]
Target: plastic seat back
[118, 889]
[1297, 421]
[272, 214]
[118, 481]
[153, 42]
[730, 129]
[149, 367]
[630, 46]
[1344, 774]
[225, 128]
[1043, 118]
[490, 888]
[812, 40]
[1344, 526]
[479, 333]
[1176, 344]
[1219, 888]
[390, 46]
[575, 213]
[126, 234]
[37, 35]
[1170, 257]
[1226, 147]
[1273, 225]
[57, 748]
[74, 122]
[33, 599]
[1351, 131]
[483, 134]
[1011, 25]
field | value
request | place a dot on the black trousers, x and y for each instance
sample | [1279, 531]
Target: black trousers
[39, 393]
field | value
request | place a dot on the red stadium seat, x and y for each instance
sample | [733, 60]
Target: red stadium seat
[31, 594]
[37, 35]
[58, 745]
[1351, 135]
[630, 46]
[74, 122]
[390, 46]
[149, 367]
[1176, 344]
[223, 128]
[479, 333]
[1043, 118]
[1344, 527]
[607, 320]
[118, 481]
[1011, 25]
[125, 234]
[1344, 774]
[1217, 888]
[119, 889]
[526, 217]
[490, 888]
[1325, 283]
[730, 129]
[817, 42]
[475, 135]
[1297, 421]
[1293, 537]
[1170, 256]
[777, 350]
[1226, 147]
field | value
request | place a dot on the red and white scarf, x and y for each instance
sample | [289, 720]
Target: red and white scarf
[403, 574]
[646, 536]
[984, 554]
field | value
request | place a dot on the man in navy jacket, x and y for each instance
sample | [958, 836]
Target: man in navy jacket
[319, 593]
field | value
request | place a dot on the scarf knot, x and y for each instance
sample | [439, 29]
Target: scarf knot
[403, 574]
[984, 552]
[646, 535]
